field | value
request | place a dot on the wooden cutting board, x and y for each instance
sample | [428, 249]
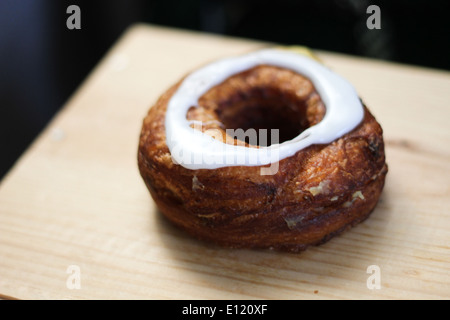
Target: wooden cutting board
[77, 222]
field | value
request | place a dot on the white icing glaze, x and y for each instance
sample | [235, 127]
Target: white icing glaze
[196, 150]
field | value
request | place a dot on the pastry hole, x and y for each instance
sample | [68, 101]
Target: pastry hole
[263, 109]
[264, 97]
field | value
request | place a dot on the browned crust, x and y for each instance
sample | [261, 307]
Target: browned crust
[316, 194]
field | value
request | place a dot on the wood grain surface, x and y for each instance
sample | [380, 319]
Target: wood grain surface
[76, 198]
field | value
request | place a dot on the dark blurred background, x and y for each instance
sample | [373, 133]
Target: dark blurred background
[42, 62]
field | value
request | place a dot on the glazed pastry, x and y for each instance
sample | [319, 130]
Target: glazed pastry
[266, 150]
